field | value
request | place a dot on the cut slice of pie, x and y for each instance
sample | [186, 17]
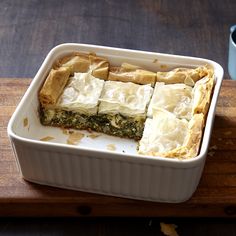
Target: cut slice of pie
[122, 109]
[77, 103]
[175, 98]
[185, 100]
[167, 136]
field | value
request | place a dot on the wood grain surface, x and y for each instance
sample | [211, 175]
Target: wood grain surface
[215, 196]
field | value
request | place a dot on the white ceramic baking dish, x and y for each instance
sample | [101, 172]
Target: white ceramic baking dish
[90, 166]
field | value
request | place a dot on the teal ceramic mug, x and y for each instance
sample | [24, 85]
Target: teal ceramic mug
[232, 53]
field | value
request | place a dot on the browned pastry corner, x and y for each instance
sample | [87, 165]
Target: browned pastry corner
[81, 62]
[53, 86]
[203, 92]
[99, 66]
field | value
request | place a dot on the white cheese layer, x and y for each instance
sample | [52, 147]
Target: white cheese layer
[175, 98]
[128, 98]
[163, 133]
[81, 94]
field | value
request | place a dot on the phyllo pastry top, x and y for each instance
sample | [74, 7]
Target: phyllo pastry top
[187, 98]
[81, 94]
[167, 136]
[131, 73]
[202, 94]
[82, 91]
[175, 98]
[67, 66]
[128, 99]
[188, 76]
[82, 62]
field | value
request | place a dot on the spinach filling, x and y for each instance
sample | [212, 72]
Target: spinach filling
[117, 124]
[66, 119]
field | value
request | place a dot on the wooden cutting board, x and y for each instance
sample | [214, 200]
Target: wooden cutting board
[215, 195]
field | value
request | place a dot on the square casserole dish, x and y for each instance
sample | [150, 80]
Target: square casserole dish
[90, 166]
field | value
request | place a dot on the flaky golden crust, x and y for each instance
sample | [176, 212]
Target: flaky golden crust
[192, 142]
[191, 146]
[202, 93]
[132, 73]
[99, 67]
[201, 79]
[81, 62]
[53, 86]
[182, 75]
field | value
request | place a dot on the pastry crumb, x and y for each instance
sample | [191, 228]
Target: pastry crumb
[169, 229]
[111, 147]
[163, 66]
[74, 138]
[229, 142]
[211, 153]
[93, 136]
[155, 61]
[25, 121]
[214, 147]
[47, 138]
[64, 131]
